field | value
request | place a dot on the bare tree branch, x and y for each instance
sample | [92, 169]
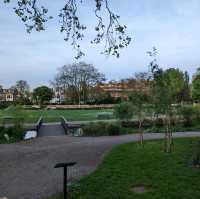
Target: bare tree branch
[114, 34]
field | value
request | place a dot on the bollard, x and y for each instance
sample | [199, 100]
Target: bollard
[65, 167]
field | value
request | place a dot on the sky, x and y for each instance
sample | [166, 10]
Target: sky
[172, 26]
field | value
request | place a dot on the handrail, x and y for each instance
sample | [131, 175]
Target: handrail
[39, 123]
[64, 124]
[69, 126]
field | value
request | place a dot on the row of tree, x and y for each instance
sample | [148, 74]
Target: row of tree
[168, 90]
[79, 83]
[22, 93]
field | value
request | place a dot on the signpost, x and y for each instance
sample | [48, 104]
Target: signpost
[65, 167]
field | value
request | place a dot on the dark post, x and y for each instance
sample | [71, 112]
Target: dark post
[65, 166]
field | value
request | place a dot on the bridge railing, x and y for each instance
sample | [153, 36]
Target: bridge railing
[39, 123]
[64, 124]
[71, 128]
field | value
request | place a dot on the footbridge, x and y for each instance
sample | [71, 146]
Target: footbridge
[56, 129]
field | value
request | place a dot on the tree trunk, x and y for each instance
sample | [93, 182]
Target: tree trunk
[168, 136]
[165, 138]
[141, 133]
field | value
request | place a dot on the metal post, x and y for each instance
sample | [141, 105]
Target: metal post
[65, 183]
[65, 167]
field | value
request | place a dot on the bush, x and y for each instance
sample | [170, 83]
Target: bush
[187, 113]
[124, 111]
[196, 114]
[113, 129]
[95, 129]
[129, 124]
[135, 124]
[101, 129]
[158, 123]
[14, 134]
[1, 133]
[4, 105]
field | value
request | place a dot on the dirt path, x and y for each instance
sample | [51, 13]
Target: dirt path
[27, 168]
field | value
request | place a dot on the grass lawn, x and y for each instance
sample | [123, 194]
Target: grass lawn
[54, 115]
[165, 176]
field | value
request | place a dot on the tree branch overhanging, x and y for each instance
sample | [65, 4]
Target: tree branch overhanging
[113, 34]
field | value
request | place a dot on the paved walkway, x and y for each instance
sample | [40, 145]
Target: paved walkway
[51, 130]
[27, 168]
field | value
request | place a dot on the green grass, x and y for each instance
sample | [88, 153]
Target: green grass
[54, 115]
[167, 176]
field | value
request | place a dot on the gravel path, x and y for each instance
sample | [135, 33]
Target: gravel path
[27, 168]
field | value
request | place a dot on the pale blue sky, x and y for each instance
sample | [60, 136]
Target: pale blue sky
[172, 26]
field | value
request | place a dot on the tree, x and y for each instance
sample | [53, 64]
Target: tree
[162, 100]
[114, 34]
[139, 100]
[124, 111]
[78, 80]
[176, 82]
[23, 90]
[42, 94]
[162, 96]
[185, 95]
[196, 86]
[22, 87]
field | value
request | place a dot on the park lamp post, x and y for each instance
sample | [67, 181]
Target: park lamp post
[65, 167]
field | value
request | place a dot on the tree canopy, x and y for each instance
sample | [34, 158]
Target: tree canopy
[77, 80]
[22, 87]
[196, 86]
[42, 94]
[175, 81]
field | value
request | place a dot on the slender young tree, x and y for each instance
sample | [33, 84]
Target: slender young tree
[162, 98]
[139, 99]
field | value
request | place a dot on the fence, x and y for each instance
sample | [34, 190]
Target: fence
[101, 106]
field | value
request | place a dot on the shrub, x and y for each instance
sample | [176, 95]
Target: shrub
[124, 111]
[134, 124]
[187, 113]
[14, 134]
[129, 124]
[158, 122]
[95, 129]
[1, 133]
[196, 113]
[113, 129]
[101, 129]
[147, 123]
[4, 105]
